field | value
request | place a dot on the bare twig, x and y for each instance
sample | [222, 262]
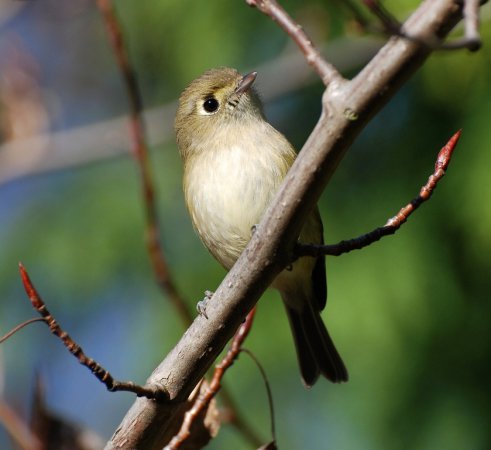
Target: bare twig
[471, 22]
[268, 390]
[326, 71]
[471, 39]
[151, 392]
[140, 151]
[394, 223]
[205, 397]
[19, 327]
[389, 22]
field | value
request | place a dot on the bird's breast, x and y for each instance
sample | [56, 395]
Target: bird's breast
[227, 191]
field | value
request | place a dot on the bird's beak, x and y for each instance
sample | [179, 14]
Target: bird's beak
[245, 83]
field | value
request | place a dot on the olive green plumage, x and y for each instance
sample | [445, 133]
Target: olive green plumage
[234, 162]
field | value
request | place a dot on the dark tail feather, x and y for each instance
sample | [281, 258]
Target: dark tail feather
[315, 350]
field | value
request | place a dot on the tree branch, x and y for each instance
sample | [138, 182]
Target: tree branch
[347, 108]
[394, 223]
[326, 71]
[152, 392]
[471, 39]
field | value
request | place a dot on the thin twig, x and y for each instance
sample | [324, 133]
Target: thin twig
[205, 397]
[151, 392]
[472, 39]
[140, 151]
[394, 223]
[19, 327]
[392, 27]
[389, 22]
[327, 72]
[268, 390]
[471, 23]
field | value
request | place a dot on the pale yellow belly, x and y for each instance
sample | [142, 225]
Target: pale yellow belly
[228, 200]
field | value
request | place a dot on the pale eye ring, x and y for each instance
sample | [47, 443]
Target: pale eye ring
[211, 105]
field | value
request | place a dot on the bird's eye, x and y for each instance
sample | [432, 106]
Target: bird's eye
[211, 105]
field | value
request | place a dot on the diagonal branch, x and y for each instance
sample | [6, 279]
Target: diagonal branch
[151, 392]
[347, 108]
[394, 223]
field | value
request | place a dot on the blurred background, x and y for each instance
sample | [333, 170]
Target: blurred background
[410, 314]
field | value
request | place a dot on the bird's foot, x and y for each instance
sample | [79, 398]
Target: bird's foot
[201, 305]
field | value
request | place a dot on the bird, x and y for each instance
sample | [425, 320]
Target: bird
[234, 162]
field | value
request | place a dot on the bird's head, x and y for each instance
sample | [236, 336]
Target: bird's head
[211, 104]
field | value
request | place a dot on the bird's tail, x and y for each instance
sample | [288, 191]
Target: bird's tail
[316, 352]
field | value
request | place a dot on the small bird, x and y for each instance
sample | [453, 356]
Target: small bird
[234, 162]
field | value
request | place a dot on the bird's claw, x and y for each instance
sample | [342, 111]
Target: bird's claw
[201, 305]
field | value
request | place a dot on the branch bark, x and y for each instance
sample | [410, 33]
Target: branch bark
[347, 108]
